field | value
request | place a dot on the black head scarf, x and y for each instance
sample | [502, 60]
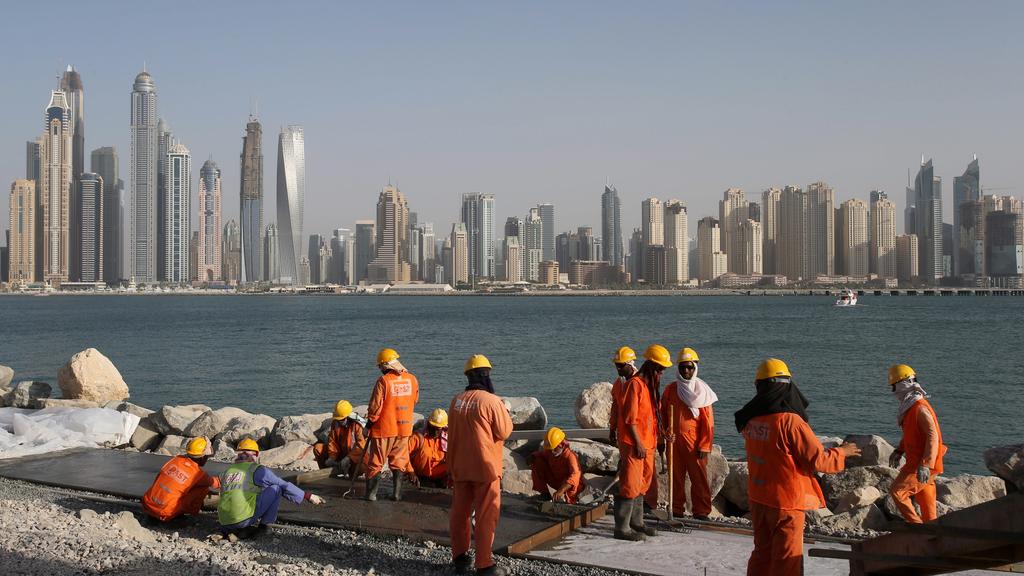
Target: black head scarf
[774, 396]
[480, 379]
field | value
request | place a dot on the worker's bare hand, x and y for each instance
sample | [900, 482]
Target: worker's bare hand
[413, 479]
[849, 449]
[702, 454]
[315, 500]
[558, 496]
[640, 451]
[895, 458]
[670, 438]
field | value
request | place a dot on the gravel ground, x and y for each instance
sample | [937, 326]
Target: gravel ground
[53, 531]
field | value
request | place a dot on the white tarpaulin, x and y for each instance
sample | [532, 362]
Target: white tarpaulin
[26, 432]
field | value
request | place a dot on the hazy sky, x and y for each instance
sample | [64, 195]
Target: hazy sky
[540, 101]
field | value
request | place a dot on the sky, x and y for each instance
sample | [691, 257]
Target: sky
[541, 101]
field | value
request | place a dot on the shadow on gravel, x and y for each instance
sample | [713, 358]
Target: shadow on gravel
[18, 563]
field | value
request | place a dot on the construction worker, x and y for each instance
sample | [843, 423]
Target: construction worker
[637, 436]
[390, 420]
[478, 423]
[922, 444]
[428, 452]
[555, 467]
[345, 441]
[250, 493]
[782, 456]
[625, 366]
[691, 430]
[182, 485]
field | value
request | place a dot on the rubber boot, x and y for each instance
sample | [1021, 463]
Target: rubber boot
[462, 563]
[492, 570]
[372, 484]
[637, 521]
[396, 483]
[622, 512]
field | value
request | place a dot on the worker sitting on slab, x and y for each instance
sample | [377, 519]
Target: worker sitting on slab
[345, 441]
[182, 485]
[555, 467]
[428, 452]
[922, 444]
[250, 493]
[390, 420]
[479, 424]
[637, 436]
[690, 420]
[783, 455]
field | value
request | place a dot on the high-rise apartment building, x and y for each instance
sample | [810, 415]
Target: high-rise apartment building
[770, 202]
[208, 265]
[90, 227]
[142, 181]
[291, 194]
[427, 248]
[732, 213]
[611, 226]
[271, 271]
[73, 89]
[478, 216]
[231, 252]
[533, 254]
[1004, 247]
[251, 196]
[928, 222]
[907, 258]
[713, 262]
[882, 237]
[104, 162]
[751, 248]
[652, 233]
[821, 242]
[165, 141]
[391, 263]
[677, 256]
[366, 241]
[177, 214]
[791, 234]
[513, 257]
[315, 245]
[547, 217]
[55, 203]
[21, 244]
[458, 265]
[966, 188]
[852, 231]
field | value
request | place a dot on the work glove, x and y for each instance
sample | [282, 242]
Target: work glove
[894, 459]
[702, 454]
[315, 500]
[559, 495]
[923, 473]
[612, 436]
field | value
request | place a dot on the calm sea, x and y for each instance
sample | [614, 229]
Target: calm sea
[293, 355]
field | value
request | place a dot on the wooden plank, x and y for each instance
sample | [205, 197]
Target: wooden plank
[936, 529]
[560, 529]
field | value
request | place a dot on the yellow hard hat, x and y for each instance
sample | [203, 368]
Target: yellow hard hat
[438, 418]
[386, 355]
[554, 438]
[772, 368]
[687, 355]
[659, 355]
[342, 409]
[198, 447]
[900, 372]
[476, 361]
[624, 354]
[248, 445]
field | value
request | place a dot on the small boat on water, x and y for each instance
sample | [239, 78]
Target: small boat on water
[847, 297]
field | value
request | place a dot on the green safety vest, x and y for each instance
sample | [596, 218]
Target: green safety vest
[237, 493]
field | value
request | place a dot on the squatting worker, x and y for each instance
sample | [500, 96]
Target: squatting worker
[922, 444]
[390, 420]
[182, 485]
[637, 439]
[556, 467]
[478, 424]
[782, 456]
[691, 430]
[428, 452]
[345, 441]
[250, 493]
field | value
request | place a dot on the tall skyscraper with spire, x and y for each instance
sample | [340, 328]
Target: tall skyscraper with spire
[71, 85]
[208, 266]
[142, 181]
[252, 201]
[56, 186]
[611, 225]
[928, 222]
[966, 188]
[177, 211]
[291, 193]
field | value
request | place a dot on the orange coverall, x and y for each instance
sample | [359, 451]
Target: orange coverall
[391, 408]
[782, 456]
[637, 409]
[426, 458]
[478, 425]
[693, 434]
[922, 443]
[550, 471]
[179, 488]
[344, 440]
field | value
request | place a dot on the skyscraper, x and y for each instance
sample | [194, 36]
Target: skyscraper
[271, 273]
[652, 231]
[852, 231]
[611, 225]
[966, 188]
[1004, 247]
[770, 200]
[391, 263]
[751, 247]
[459, 265]
[533, 232]
[366, 247]
[513, 259]
[177, 214]
[791, 234]
[547, 218]
[677, 257]
[713, 262]
[71, 85]
[252, 200]
[142, 181]
[21, 244]
[928, 222]
[907, 258]
[165, 141]
[291, 194]
[882, 243]
[427, 260]
[90, 228]
[821, 241]
[55, 204]
[732, 212]
[104, 162]
[231, 252]
[315, 245]
[478, 216]
[209, 264]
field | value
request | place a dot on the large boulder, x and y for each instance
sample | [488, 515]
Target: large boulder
[6, 377]
[213, 422]
[90, 375]
[299, 429]
[146, 436]
[27, 393]
[173, 445]
[173, 420]
[735, 486]
[292, 456]
[595, 457]
[854, 522]
[840, 485]
[1007, 462]
[222, 452]
[65, 403]
[875, 451]
[859, 498]
[255, 426]
[515, 477]
[526, 412]
[130, 408]
[968, 490]
[594, 405]
[830, 441]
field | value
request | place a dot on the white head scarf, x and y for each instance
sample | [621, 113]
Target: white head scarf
[695, 393]
[908, 392]
[395, 365]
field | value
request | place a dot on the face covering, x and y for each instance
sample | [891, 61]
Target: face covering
[908, 392]
[480, 379]
[695, 393]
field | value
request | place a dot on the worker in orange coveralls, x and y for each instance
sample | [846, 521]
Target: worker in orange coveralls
[478, 424]
[389, 423]
[556, 467]
[782, 456]
[428, 452]
[345, 441]
[922, 444]
[691, 433]
[181, 486]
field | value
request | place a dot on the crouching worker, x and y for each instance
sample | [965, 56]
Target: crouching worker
[555, 467]
[181, 486]
[346, 442]
[250, 493]
[428, 452]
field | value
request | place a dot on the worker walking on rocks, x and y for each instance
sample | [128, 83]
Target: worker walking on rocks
[182, 485]
[783, 455]
[345, 441]
[479, 424]
[637, 436]
[250, 493]
[428, 452]
[690, 420]
[390, 420]
[556, 467]
[922, 444]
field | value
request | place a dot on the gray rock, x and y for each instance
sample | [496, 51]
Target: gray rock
[968, 490]
[813, 518]
[837, 486]
[135, 409]
[1007, 462]
[255, 426]
[91, 376]
[222, 452]
[830, 441]
[718, 470]
[856, 520]
[594, 405]
[875, 451]
[515, 477]
[299, 429]
[859, 498]
[293, 455]
[526, 412]
[6, 377]
[173, 420]
[595, 457]
[146, 436]
[173, 445]
[213, 422]
[26, 394]
[735, 486]
[131, 528]
[65, 403]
